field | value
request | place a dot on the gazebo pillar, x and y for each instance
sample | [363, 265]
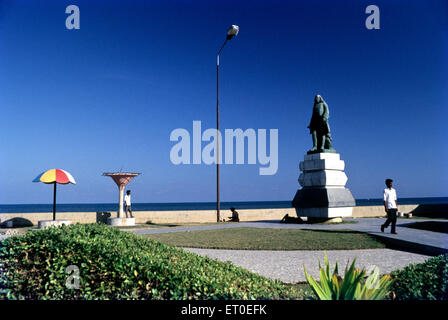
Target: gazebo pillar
[120, 200]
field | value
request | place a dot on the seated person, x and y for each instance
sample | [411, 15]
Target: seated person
[235, 216]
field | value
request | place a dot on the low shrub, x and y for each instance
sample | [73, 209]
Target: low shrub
[423, 281]
[118, 265]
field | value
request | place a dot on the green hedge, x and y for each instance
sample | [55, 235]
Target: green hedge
[118, 265]
[428, 280]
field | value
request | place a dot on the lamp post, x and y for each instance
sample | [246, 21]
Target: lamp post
[231, 32]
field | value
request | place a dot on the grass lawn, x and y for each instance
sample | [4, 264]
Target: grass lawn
[270, 239]
[436, 226]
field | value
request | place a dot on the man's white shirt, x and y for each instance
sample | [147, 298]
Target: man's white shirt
[390, 197]
[127, 199]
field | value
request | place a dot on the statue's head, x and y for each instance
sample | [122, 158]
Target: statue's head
[318, 99]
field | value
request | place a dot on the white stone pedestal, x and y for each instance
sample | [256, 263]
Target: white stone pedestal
[326, 212]
[323, 193]
[121, 222]
[42, 224]
[324, 220]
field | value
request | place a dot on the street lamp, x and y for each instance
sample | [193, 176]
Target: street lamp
[231, 32]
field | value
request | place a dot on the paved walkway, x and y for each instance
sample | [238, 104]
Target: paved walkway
[287, 266]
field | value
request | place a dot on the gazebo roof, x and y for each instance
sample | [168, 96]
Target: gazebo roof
[121, 178]
[133, 174]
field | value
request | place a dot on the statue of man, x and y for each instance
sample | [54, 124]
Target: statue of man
[319, 127]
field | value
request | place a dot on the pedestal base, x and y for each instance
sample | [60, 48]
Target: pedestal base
[42, 224]
[324, 212]
[121, 222]
[323, 194]
[323, 197]
[324, 220]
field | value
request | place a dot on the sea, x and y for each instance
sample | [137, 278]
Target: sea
[111, 207]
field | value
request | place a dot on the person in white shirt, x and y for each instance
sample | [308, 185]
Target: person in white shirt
[127, 204]
[390, 205]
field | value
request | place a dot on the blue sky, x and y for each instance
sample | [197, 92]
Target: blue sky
[106, 97]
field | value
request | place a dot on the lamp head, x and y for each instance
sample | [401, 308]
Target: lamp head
[232, 32]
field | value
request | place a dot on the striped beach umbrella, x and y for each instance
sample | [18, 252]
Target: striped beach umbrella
[55, 176]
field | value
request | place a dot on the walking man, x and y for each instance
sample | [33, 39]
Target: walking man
[390, 205]
[127, 203]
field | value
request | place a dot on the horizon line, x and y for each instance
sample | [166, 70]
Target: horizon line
[193, 202]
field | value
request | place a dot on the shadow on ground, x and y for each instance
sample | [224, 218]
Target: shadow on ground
[431, 211]
[434, 226]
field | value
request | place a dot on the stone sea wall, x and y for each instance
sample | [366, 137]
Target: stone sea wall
[187, 216]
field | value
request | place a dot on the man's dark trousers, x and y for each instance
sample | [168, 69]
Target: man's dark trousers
[391, 218]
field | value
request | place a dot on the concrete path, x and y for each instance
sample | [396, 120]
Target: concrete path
[425, 241]
[287, 266]
[422, 240]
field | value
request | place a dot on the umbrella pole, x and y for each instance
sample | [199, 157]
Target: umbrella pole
[54, 202]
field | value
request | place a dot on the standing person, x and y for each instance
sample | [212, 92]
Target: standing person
[390, 205]
[127, 204]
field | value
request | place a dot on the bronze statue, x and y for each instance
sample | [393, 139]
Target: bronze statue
[319, 127]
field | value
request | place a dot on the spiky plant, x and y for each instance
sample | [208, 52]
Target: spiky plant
[352, 286]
